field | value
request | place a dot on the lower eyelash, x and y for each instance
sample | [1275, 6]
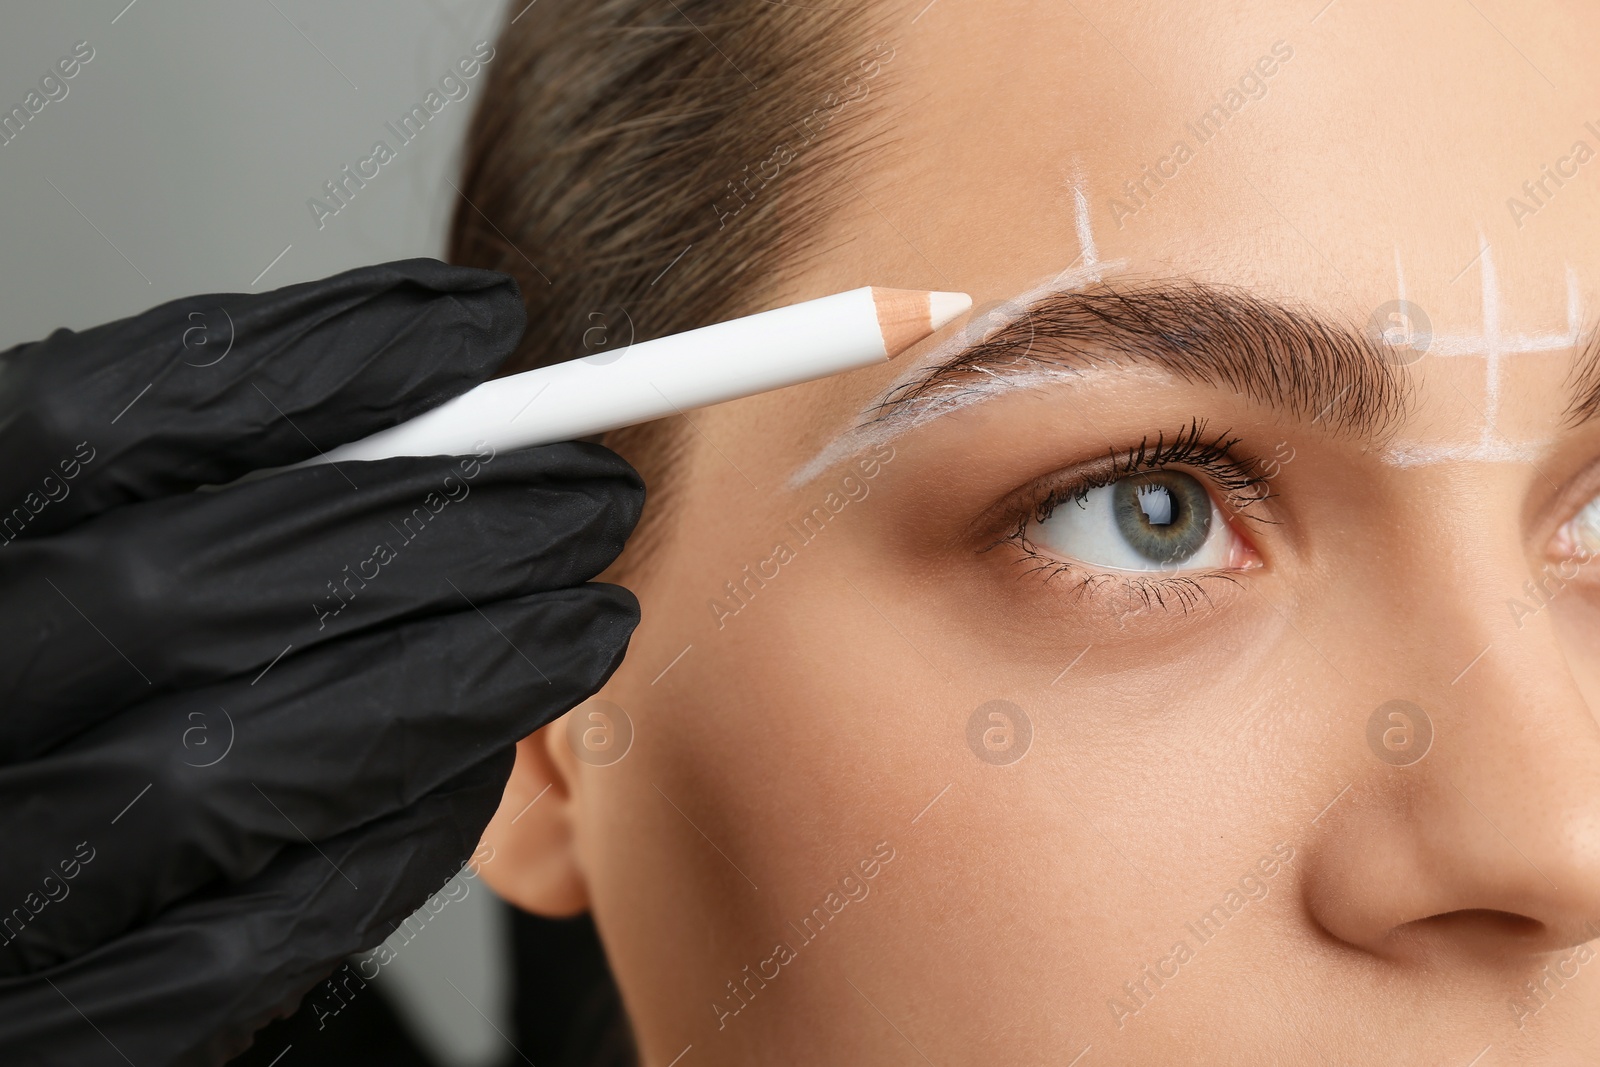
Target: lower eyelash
[1179, 592]
[1187, 591]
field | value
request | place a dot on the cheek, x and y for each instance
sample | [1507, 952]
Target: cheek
[831, 708]
[778, 752]
[750, 765]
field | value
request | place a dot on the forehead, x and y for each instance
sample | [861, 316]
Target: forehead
[1334, 161]
[1250, 145]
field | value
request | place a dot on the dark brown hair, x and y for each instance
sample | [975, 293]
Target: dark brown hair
[643, 167]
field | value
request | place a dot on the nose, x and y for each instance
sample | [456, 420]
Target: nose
[1472, 829]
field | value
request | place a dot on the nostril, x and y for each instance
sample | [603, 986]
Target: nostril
[1486, 927]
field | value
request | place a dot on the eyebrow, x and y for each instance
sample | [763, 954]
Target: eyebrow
[1584, 384]
[1221, 336]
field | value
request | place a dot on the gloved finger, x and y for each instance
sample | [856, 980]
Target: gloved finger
[190, 988]
[188, 590]
[139, 409]
[324, 742]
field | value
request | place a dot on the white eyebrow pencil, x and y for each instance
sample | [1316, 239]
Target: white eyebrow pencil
[653, 379]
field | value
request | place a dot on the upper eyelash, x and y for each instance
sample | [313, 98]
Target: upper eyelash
[1214, 456]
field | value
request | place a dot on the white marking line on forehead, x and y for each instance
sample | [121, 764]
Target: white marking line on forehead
[1515, 344]
[1443, 344]
[1491, 338]
[1085, 269]
[1493, 452]
[1080, 215]
[1492, 345]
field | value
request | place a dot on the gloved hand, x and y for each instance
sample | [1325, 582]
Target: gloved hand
[245, 731]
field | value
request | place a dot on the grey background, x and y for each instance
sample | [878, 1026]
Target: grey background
[180, 161]
[195, 136]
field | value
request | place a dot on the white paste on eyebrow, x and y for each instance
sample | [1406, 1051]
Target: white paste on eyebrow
[936, 405]
[1085, 270]
[1491, 446]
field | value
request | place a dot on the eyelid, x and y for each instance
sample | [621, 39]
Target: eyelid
[1077, 485]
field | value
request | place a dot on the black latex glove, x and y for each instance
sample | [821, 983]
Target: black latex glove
[244, 732]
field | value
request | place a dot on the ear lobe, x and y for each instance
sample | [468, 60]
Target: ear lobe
[535, 865]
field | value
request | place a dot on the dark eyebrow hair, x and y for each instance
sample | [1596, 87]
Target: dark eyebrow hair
[1223, 336]
[1584, 383]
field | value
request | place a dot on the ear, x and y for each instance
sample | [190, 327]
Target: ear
[535, 866]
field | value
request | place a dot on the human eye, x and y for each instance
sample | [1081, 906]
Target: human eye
[1161, 520]
[1579, 537]
[1157, 521]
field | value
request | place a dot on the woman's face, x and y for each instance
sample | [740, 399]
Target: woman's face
[992, 742]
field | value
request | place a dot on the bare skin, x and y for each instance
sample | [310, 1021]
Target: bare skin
[1376, 908]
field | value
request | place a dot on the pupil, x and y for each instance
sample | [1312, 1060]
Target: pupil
[1165, 516]
[1156, 503]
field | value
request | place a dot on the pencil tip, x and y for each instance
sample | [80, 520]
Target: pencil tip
[906, 316]
[943, 307]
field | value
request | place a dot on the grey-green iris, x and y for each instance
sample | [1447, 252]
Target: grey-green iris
[1164, 515]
